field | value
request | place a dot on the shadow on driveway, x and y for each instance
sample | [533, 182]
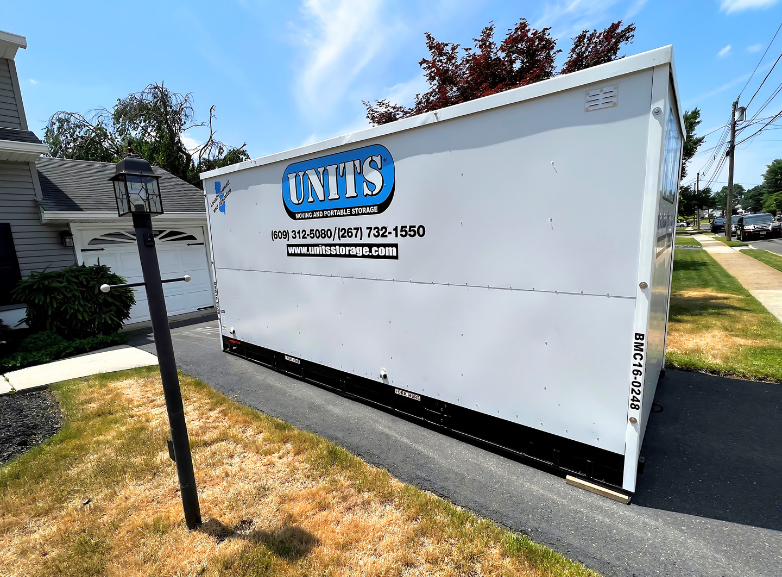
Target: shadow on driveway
[715, 451]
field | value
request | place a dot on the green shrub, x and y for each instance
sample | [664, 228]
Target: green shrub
[58, 348]
[40, 341]
[69, 302]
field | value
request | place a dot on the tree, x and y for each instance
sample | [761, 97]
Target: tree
[773, 203]
[721, 197]
[772, 187]
[152, 122]
[691, 201]
[772, 178]
[692, 118]
[594, 48]
[526, 55]
[754, 198]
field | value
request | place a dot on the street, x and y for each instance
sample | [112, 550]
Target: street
[708, 502]
[771, 245]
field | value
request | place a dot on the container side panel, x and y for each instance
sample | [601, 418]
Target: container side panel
[663, 257]
[523, 196]
[543, 197]
[526, 357]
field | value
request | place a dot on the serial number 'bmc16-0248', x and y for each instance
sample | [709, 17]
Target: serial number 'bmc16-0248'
[448, 283]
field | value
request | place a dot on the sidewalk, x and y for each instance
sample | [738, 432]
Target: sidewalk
[763, 282]
[103, 361]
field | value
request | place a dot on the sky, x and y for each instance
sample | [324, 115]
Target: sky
[284, 74]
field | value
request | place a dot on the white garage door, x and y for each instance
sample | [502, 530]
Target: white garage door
[179, 252]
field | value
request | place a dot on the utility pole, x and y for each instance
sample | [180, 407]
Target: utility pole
[731, 151]
[697, 202]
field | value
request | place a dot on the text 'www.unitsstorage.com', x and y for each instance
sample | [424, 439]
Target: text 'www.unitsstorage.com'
[345, 250]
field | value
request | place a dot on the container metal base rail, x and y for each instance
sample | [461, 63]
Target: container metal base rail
[544, 450]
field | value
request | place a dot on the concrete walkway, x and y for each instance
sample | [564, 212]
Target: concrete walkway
[107, 360]
[763, 282]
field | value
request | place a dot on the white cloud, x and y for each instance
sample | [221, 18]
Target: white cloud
[354, 126]
[404, 92]
[730, 6]
[571, 17]
[693, 101]
[755, 48]
[724, 52]
[634, 9]
[340, 39]
[33, 81]
[190, 143]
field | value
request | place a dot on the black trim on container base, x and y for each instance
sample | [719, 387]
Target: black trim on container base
[543, 450]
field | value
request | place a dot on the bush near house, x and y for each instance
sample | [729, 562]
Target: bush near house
[69, 303]
[46, 346]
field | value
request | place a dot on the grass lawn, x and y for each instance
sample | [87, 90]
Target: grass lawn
[766, 257]
[729, 242]
[717, 326]
[686, 240]
[101, 498]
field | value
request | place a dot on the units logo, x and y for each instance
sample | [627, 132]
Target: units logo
[352, 183]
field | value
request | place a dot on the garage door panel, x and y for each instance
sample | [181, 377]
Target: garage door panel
[197, 277]
[176, 304]
[130, 262]
[108, 259]
[194, 257]
[170, 262]
[176, 259]
[200, 299]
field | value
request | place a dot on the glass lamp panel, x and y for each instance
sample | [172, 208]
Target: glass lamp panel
[137, 193]
[121, 197]
[155, 202]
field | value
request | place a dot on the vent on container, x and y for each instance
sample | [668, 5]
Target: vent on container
[601, 98]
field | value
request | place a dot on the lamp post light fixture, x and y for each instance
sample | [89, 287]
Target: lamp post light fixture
[137, 193]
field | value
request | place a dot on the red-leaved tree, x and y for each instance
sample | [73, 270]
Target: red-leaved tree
[525, 56]
[593, 48]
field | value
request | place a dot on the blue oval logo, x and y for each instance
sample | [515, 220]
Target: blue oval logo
[352, 183]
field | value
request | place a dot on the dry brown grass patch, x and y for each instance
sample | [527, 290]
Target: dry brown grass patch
[274, 500]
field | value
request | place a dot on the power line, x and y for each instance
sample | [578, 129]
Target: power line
[764, 80]
[768, 101]
[761, 60]
[760, 129]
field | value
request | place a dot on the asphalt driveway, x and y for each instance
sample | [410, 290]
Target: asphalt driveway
[708, 503]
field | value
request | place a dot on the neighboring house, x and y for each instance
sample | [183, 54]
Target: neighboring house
[56, 212]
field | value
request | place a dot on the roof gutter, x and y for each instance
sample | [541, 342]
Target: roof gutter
[15, 151]
[10, 43]
[64, 216]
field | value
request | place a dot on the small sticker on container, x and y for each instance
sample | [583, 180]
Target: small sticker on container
[408, 394]
[292, 360]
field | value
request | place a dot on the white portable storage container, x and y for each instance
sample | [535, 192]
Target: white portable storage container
[500, 268]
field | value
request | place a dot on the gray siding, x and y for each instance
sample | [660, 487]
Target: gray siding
[37, 246]
[10, 102]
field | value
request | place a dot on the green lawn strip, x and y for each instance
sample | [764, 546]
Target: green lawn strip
[49, 478]
[710, 311]
[682, 240]
[766, 257]
[730, 242]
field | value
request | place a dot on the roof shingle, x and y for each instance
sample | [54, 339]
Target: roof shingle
[16, 135]
[83, 185]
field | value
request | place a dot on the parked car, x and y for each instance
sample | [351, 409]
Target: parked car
[681, 224]
[718, 224]
[760, 225]
[733, 221]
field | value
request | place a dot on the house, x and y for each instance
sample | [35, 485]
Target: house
[56, 212]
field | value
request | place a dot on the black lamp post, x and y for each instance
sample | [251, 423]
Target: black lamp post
[137, 193]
